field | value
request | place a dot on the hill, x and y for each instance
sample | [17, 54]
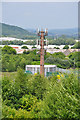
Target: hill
[71, 32]
[18, 32]
[14, 31]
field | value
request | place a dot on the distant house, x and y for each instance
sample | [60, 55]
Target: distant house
[19, 51]
[55, 50]
[75, 50]
[67, 52]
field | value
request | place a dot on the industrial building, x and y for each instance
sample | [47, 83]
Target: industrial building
[36, 68]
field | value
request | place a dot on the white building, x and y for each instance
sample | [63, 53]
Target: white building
[36, 68]
[9, 39]
[77, 40]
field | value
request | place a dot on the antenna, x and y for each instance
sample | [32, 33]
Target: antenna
[42, 35]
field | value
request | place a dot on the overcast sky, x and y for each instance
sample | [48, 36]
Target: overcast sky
[51, 15]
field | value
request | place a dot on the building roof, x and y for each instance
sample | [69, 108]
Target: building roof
[39, 65]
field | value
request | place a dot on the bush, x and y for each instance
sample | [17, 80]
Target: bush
[8, 50]
[63, 63]
[35, 96]
[27, 102]
[62, 99]
[33, 47]
[76, 46]
[24, 47]
[12, 113]
[66, 47]
[37, 86]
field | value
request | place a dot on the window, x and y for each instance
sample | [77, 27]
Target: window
[38, 69]
[51, 69]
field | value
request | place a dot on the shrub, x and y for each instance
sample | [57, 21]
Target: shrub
[66, 47]
[62, 99]
[24, 47]
[27, 102]
[37, 86]
[35, 96]
[8, 50]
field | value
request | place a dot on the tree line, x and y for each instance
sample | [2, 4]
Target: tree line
[51, 41]
[10, 61]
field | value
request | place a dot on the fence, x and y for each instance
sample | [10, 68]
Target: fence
[63, 70]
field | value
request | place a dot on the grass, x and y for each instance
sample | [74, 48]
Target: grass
[11, 75]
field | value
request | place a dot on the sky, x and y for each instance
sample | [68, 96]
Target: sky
[51, 15]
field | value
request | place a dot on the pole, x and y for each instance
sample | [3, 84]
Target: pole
[42, 35]
[42, 54]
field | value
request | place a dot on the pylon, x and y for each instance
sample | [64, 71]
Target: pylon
[42, 35]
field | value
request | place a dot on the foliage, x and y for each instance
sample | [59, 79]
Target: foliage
[75, 57]
[17, 32]
[35, 63]
[62, 100]
[27, 102]
[8, 63]
[62, 63]
[37, 86]
[24, 47]
[11, 61]
[30, 42]
[35, 96]
[14, 42]
[76, 46]
[59, 55]
[56, 48]
[33, 47]
[12, 113]
[66, 47]
[8, 50]
[62, 41]
[18, 42]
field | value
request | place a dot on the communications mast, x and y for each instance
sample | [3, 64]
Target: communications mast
[42, 35]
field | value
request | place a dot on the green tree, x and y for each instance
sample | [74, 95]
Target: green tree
[8, 50]
[59, 55]
[11, 66]
[37, 86]
[76, 46]
[66, 47]
[22, 63]
[24, 47]
[33, 47]
[4, 64]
